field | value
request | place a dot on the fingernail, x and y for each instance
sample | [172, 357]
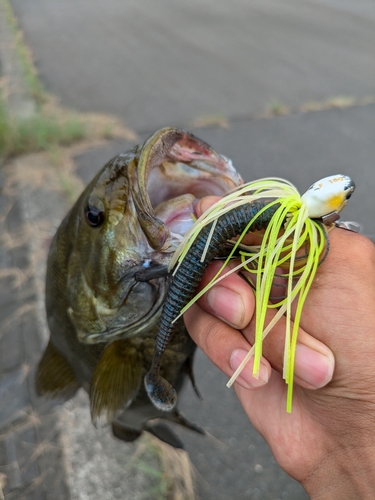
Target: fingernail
[227, 305]
[246, 378]
[313, 367]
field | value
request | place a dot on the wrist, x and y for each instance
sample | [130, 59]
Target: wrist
[344, 475]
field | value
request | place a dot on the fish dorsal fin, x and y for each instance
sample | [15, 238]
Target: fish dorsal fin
[115, 383]
[55, 377]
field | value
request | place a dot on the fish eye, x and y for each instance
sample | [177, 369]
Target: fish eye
[94, 216]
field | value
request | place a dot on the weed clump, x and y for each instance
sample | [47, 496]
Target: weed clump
[38, 132]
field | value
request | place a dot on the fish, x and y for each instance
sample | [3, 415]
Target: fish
[107, 278]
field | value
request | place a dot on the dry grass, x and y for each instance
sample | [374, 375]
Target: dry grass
[53, 136]
[169, 470]
[276, 108]
[53, 126]
[210, 121]
[339, 102]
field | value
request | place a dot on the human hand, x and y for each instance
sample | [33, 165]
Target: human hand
[327, 442]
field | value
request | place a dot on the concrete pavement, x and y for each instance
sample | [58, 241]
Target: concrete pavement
[169, 63]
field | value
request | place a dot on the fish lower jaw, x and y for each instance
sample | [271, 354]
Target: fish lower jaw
[172, 243]
[140, 328]
[91, 338]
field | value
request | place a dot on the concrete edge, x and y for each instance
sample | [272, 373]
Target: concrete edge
[19, 100]
[32, 451]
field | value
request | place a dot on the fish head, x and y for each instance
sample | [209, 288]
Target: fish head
[127, 222]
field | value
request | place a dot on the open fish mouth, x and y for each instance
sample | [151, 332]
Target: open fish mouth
[174, 191]
[175, 169]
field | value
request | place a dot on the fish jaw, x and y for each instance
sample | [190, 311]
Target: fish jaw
[123, 322]
[190, 149]
[173, 162]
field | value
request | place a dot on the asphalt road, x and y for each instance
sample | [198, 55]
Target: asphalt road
[170, 63]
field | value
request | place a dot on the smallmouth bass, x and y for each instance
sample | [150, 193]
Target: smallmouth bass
[107, 278]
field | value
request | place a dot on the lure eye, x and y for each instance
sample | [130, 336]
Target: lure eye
[348, 196]
[94, 216]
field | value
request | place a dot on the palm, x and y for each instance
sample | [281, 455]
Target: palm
[292, 437]
[345, 324]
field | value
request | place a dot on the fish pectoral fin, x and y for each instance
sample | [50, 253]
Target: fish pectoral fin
[55, 377]
[125, 433]
[178, 418]
[165, 434]
[115, 383]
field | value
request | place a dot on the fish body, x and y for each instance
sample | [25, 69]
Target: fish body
[107, 278]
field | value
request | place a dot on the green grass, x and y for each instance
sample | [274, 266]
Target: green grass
[277, 108]
[38, 132]
[50, 126]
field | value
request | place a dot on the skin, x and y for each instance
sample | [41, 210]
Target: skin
[328, 441]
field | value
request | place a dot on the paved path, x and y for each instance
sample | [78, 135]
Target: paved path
[169, 63]
[32, 448]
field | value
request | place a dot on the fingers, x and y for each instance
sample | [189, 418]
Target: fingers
[314, 361]
[227, 307]
[205, 203]
[232, 301]
[225, 346]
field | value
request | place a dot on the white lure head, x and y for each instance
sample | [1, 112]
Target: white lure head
[328, 195]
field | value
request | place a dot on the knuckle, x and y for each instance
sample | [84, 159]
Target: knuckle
[213, 331]
[363, 252]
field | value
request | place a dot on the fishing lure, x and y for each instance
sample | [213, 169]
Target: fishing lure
[271, 205]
